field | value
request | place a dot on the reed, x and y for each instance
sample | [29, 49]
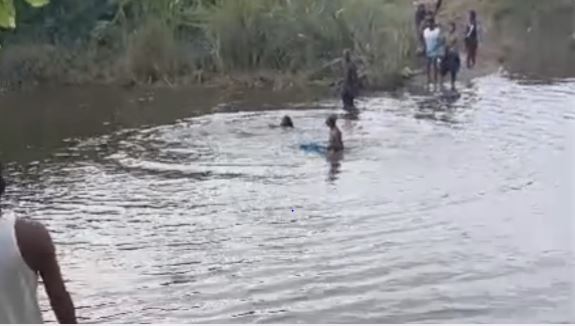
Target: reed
[169, 39]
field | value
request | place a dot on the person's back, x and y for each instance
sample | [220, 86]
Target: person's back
[26, 251]
[18, 283]
[335, 141]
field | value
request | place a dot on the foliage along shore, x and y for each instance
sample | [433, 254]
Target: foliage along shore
[253, 43]
[276, 44]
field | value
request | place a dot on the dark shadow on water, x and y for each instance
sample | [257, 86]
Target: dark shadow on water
[350, 115]
[438, 107]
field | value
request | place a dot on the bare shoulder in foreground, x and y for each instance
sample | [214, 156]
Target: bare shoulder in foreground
[39, 253]
[27, 251]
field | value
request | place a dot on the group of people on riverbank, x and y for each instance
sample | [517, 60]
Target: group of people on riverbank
[439, 46]
[442, 49]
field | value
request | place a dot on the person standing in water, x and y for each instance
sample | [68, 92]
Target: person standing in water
[26, 251]
[433, 50]
[472, 39]
[335, 139]
[451, 62]
[350, 82]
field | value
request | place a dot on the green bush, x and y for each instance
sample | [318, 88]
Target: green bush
[166, 39]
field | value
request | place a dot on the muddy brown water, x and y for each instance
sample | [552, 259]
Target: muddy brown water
[438, 211]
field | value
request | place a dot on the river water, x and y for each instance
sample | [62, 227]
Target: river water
[437, 212]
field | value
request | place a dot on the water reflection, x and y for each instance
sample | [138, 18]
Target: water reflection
[334, 159]
[438, 108]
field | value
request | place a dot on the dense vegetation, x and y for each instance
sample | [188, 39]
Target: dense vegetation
[184, 41]
[275, 42]
[8, 11]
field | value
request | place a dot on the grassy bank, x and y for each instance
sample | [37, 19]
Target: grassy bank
[519, 34]
[275, 43]
[259, 43]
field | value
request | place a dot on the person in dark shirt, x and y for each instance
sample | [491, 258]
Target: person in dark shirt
[472, 39]
[350, 82]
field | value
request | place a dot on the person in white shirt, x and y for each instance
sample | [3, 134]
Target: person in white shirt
[433, 49]
[422, 11]
[26, 252]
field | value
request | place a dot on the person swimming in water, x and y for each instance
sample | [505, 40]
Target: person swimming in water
[286, 122]
[335, 139]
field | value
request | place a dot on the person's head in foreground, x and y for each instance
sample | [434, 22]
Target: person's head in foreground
[286, 122]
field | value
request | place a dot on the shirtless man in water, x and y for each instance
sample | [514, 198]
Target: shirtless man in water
[335, 139]
[26, 252]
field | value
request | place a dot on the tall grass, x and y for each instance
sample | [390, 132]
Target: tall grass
[167, 39]
[303, 35]
[154, 54]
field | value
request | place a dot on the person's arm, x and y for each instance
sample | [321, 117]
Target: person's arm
[60, 299]
[40, 253]
[438, 6]
[479, 32]
[470, 28]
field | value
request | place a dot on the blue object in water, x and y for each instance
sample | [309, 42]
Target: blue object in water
[313, 148]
